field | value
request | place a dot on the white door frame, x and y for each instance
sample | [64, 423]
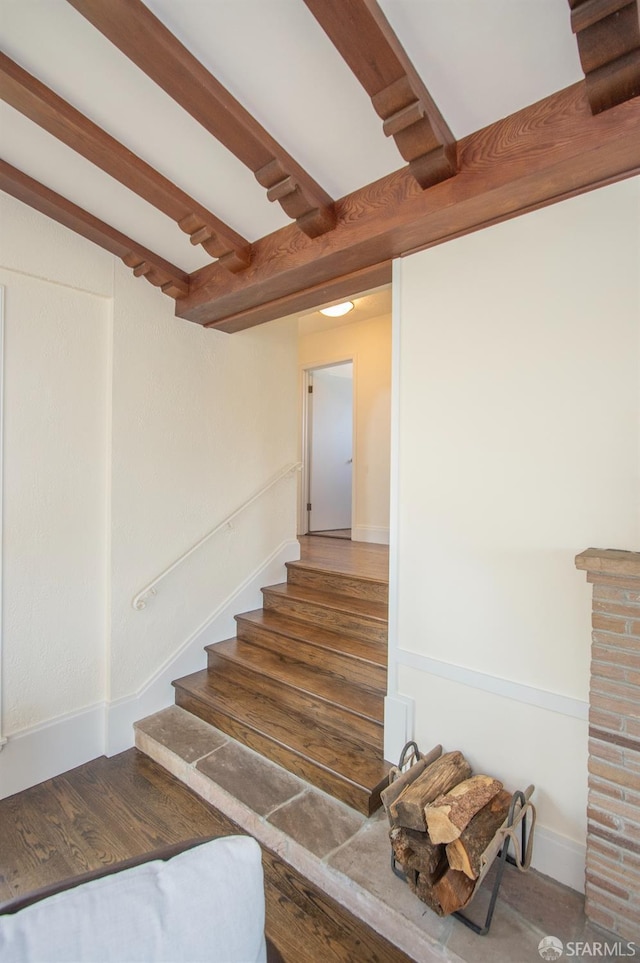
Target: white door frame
[305, 439]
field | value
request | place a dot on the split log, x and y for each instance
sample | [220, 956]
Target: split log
[437, 779]
[415, 851]
[393, 790]
[465, 852]
[422, 886]
[450, 813]
[453, 891]
[391, 793]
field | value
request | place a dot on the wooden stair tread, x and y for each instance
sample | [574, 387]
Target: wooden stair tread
[376, 611]
[329, 715]
[329, 568]
[297, 732]
[291, 628]
[347, 558]
[332, 580]
[289, 671]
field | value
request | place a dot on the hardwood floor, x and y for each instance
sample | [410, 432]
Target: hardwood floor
[112, 809]
[352, 558]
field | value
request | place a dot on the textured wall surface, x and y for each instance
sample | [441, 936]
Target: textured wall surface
[55, 471]
[518, 438]
[613, 850]
[201, 420]
[129, 434]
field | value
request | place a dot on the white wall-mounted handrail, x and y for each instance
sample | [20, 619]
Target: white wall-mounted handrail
[139, 601]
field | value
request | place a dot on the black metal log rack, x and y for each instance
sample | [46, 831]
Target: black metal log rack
[515, 830]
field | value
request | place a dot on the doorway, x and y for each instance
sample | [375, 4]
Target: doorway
[329, 450]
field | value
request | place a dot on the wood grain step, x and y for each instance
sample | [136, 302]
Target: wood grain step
[326, 580]
[354, 661]
[347, 707]
[348, 770]
[355, 617]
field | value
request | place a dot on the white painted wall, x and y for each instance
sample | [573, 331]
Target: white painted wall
[128, 435]
[518, 414]
[369, 344]
[201, 420]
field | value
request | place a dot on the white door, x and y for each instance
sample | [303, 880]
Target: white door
[330, 447]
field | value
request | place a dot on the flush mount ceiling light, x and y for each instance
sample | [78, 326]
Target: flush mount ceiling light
[337, 310]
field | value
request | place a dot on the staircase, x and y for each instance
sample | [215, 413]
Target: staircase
[304, 679]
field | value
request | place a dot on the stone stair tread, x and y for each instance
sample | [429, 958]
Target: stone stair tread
[291, 628]
[292, 672]
[299, 733]
[376, 611]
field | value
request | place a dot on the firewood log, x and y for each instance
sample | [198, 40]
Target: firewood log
[422, 886]
[393, 790]
[414, 850]
[453, 891]
[465, 852]
[400, 783]
[450, 813]
[438, 778]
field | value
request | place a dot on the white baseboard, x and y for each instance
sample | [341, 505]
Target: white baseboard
[158, 692]
[370, 533]
[40, 752]
[559, 857]
[398, 725]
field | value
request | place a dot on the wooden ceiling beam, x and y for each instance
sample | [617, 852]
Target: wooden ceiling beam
[145, 263]
[144, 39]
[537, 156]
[608, 35]
[363, 36]
[44, 107]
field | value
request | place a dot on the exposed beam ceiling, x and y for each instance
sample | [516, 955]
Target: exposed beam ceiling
[134, 30]
[608, 33]
[155, 86]
[145, 263]
[364, 37]
[540, 155]
[44, 107]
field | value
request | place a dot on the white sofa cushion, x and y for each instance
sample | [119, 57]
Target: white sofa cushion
[205, 905]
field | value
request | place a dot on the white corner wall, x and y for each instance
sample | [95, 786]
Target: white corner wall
[517, 395]
[128, 435]
[369, 344]
[201, 421]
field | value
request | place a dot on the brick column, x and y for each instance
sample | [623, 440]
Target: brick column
[613, 835]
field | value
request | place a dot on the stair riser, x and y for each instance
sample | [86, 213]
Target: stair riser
[333, 717]
[372, 677]
[358, 626]
[347, 585]
[357, 798]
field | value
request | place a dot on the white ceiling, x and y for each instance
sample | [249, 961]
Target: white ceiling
[480, 60]
[375, 303]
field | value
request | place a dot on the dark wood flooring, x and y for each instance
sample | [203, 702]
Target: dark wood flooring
[111, 809]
